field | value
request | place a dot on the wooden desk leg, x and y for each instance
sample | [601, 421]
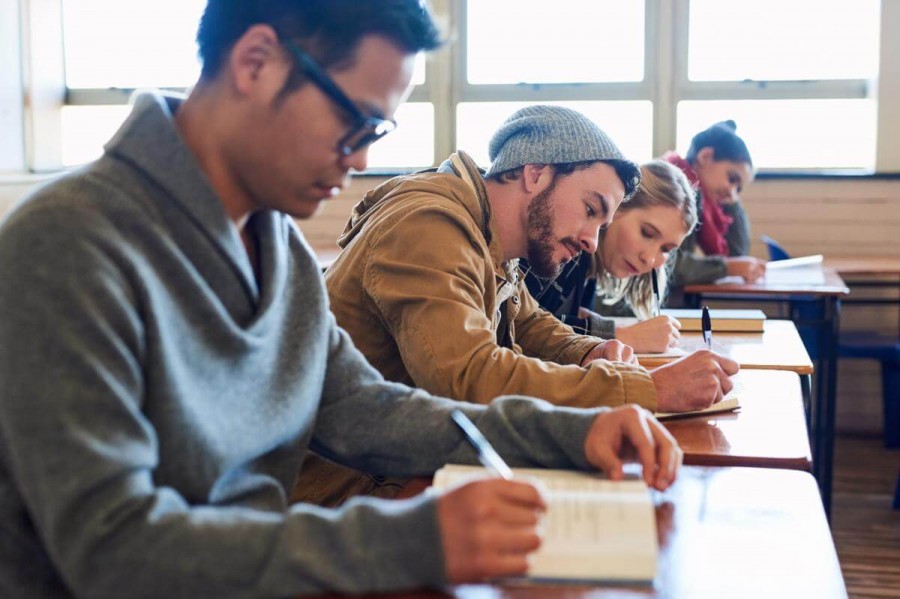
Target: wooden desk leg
[806, 392]
[826, 395]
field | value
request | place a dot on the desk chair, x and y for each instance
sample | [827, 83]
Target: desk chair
[859, 346]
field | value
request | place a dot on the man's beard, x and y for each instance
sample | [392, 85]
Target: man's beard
[541, 242]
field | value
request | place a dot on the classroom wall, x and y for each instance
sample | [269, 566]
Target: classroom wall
[807, 216]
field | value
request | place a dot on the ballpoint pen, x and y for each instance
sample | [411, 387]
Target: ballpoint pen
[706, 326]
[655, 282]
[487, 455]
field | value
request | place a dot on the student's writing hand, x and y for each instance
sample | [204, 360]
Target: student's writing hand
[749, 268]
[488, 528]
[631, 433]
[653, 336]
[694, 382]
[612, 350]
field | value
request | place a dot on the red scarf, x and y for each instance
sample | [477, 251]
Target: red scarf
[714, 223]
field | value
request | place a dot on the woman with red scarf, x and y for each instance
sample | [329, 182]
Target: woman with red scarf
[719, 165]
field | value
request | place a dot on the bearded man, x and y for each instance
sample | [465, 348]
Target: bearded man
[429, 289]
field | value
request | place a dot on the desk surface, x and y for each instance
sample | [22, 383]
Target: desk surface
[864, 265]
[828, 283]
[778, 347]
[768, 431]
[724, 532]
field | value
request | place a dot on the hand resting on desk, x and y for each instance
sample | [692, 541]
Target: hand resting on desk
[489, 526]
[694, 382]
[651, 336]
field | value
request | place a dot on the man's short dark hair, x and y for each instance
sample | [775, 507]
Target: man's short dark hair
[328, 30]
[627, 172]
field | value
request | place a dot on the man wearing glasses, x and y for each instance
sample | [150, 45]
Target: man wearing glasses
[168, 357]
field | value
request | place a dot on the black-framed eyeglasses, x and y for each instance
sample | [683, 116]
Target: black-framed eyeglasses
[366, 129]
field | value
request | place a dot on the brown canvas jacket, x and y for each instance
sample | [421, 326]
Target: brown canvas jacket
[419, 286]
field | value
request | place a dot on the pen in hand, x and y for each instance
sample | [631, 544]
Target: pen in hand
[706, 326]
[488, 457]
[655, 282]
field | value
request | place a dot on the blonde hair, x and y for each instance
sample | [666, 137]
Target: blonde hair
[662, 184]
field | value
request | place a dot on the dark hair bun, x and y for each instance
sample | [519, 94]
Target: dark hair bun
[729, 124]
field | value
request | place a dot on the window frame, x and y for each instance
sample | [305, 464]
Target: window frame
[665, 83]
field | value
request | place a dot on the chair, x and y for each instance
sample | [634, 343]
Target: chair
[776, 252]
[860, 346]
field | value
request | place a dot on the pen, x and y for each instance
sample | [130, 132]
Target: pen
[488, 457]
[655, 282]
[706, 325]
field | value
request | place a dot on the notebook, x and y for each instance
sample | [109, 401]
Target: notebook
[594, 529]
[729, 403]
[731, 321]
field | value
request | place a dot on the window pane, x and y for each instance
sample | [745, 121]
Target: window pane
[86, 128]
[791, 133]
[412, 143]
[418, 77]
[111, 43]
[522, 41]
[629, 123]
[733, 40]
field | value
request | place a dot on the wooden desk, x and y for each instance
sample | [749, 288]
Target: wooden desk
[848, 266]
[824, 295]
[724, 532]
[768, 431]
[778, 347]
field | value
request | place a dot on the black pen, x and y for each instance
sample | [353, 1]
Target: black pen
[706, 324]
[655, 282]
[487, 455]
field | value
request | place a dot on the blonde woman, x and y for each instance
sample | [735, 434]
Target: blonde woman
[641, 240]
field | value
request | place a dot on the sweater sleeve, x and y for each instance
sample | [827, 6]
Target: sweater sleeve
[738, 234]
[84, 458]
[429, 292]
[693, 269]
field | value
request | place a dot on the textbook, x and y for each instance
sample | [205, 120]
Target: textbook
[729, 403]
[734, 321]
[594, 530]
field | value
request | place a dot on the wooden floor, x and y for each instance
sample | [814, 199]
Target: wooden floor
[866, 530]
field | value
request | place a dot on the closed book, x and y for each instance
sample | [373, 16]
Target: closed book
[594, 529]
[734, 321]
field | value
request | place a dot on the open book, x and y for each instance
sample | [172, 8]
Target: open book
[594, 529]
[734, 321]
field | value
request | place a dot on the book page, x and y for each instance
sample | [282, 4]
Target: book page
[594, 529]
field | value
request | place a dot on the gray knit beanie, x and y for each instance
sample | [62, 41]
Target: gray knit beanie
[543, 134]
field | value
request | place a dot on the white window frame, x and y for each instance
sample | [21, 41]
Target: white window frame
[665, 82]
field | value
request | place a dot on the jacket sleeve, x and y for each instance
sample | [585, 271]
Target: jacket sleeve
[426, 272]
[738, 234]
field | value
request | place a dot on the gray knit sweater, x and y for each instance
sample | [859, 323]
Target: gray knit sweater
[156, 401]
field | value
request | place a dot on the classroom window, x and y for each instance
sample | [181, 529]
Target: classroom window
[734, 40]
[799, 77]
[110, 43]
[521, 41]
[804, 134]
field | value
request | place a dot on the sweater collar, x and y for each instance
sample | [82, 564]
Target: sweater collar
[149, 140]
